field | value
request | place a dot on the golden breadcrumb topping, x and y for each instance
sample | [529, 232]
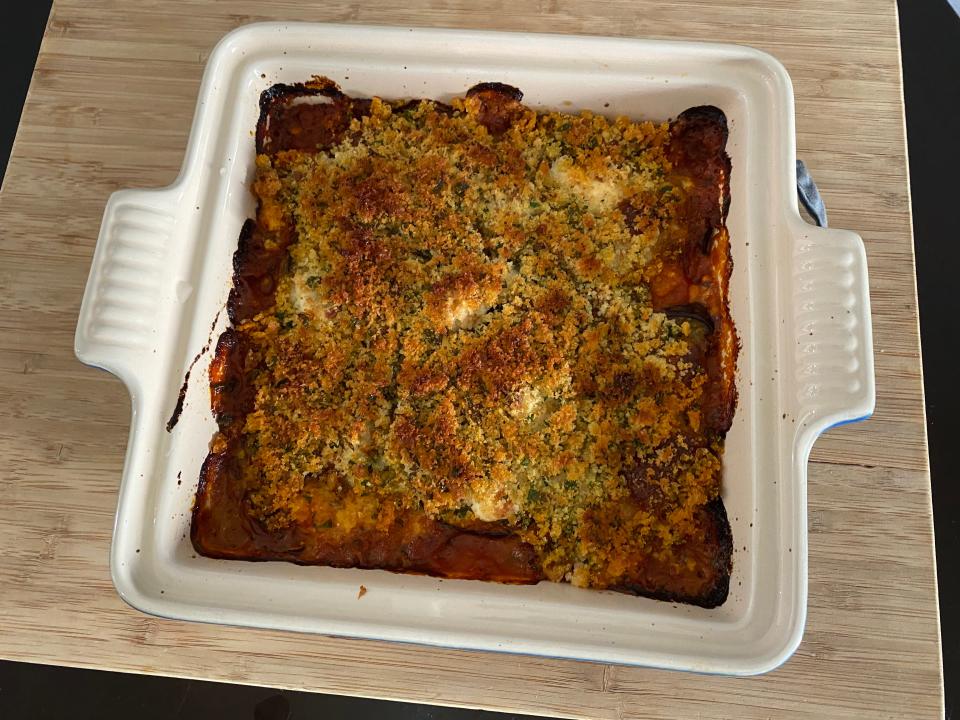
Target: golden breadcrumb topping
[464, 326]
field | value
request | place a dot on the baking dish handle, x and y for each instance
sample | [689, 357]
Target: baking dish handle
[834, 338]
[120, 320]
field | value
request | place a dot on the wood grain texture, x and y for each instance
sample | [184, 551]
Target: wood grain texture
[110, 107]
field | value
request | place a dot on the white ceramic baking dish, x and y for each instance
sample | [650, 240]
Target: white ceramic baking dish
[161, 274]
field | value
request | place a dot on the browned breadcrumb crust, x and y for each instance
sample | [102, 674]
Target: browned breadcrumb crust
[487, 319]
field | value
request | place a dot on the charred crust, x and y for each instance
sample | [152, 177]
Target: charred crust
[281, 95]
[244, 243]
[212, 467]
[723, 559]
[414, 103]
[698, 150]
[241, 260]
[317, 127]
[720, 540]
[499, 105]
[407, 105]
[718, 410]
[255, 267]
[496, 88]
[709, 114]
[485, 528]
[691, 311]
[233, 535]
[231, 395]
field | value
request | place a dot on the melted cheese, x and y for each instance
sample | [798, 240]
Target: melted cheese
[601, 194]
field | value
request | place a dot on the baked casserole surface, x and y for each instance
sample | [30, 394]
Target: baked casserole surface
[478, 341]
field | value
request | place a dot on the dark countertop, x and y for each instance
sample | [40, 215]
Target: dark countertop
[930, 39]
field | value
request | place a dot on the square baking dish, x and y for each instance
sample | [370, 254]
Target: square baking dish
[161, 273]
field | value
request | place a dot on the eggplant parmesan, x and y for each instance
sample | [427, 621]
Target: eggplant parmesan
[478, 341]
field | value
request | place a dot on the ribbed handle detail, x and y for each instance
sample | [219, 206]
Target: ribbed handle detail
[834, 339]
[118, 325]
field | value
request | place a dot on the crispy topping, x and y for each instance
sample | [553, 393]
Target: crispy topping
[463, 326]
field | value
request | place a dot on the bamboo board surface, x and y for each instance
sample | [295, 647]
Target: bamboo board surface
[110, 106]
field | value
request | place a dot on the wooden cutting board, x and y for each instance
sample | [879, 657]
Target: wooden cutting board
[110, 107]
